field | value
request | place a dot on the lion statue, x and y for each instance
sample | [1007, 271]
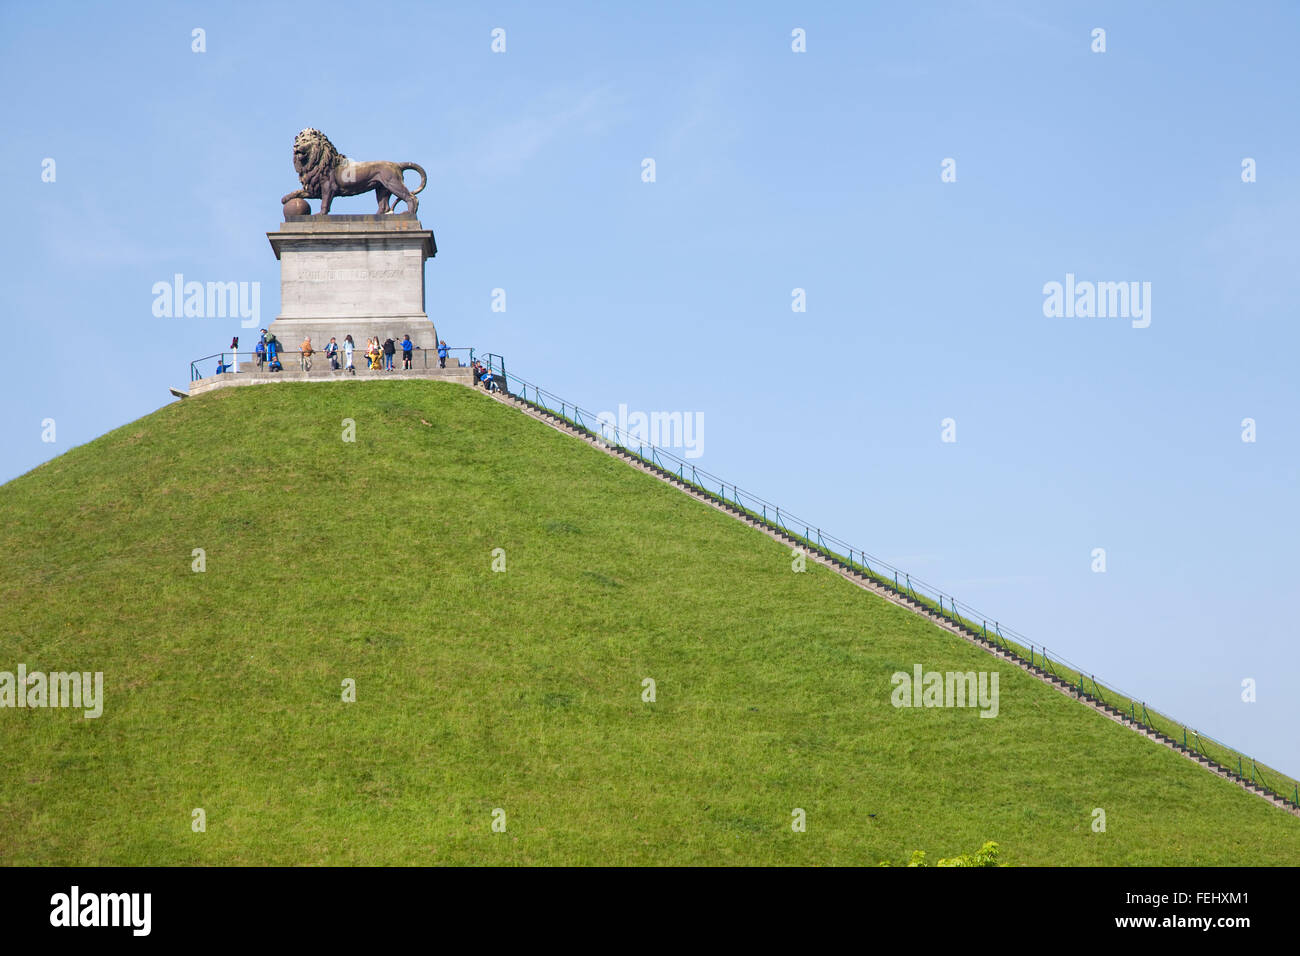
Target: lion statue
[325, 173]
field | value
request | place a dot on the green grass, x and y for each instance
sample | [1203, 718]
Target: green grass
[520, 690]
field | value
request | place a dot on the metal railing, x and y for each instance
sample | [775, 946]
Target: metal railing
[292, 360]
[969, 620]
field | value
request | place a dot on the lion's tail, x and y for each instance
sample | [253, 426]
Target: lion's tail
[419, 169]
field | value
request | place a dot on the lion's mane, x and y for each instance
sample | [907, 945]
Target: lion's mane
[319, 162]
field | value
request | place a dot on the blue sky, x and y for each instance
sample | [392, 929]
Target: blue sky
[775, 170]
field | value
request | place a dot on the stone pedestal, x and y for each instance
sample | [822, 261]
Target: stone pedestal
[352, 275]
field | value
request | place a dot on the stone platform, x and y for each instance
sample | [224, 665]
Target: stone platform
[352, 275]
[248, 375]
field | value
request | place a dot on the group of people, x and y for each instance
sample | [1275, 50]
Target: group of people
[483, 376]
[378, 355]
[268, 352]
[386, 352]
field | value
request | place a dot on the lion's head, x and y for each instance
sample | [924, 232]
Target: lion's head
[314, 158]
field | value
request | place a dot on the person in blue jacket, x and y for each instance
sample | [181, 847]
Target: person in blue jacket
[407, 346]
[260, 349]
[442, 354]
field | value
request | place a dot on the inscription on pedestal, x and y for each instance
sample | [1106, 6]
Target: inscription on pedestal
[330, 275]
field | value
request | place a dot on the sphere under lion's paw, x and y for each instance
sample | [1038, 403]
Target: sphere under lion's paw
[297, 207]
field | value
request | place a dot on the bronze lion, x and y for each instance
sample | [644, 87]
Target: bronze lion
[325, 173]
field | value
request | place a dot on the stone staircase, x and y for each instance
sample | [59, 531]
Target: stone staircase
[895, 596]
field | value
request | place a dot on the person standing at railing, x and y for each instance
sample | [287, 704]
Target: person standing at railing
[332, 353]
[390, 349]
[407, 347]
[260, 351]
[348, 347]
[442, 354]
[307, 353]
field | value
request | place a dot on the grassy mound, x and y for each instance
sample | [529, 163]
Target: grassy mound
[516, 691]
